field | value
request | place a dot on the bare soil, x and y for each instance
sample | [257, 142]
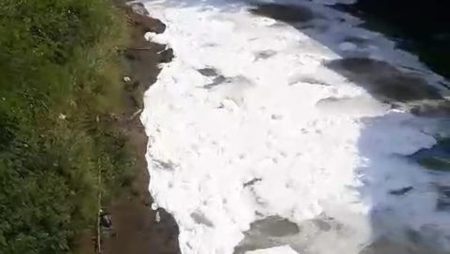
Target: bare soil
[135, 229]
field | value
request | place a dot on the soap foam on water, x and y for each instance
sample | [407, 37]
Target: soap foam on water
[247, 122]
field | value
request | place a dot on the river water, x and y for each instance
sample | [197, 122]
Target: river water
[290, 127]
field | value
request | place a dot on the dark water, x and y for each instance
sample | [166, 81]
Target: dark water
[422, 27]
[436, 158]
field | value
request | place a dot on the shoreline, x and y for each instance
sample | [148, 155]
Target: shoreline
[136, 225]
[229, 117]
[137, 228]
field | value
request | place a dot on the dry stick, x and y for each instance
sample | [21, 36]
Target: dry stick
[135, 114]
[99, 247]
[139, 48]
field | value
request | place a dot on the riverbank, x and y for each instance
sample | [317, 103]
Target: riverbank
[62, 155]
[70, 137]
[138, 229]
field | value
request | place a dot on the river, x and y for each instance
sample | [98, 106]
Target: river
[290, 127]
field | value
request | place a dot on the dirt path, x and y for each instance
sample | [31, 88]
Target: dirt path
[135, 226]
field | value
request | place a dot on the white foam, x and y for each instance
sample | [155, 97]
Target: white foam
[277, 250]
[264, 124]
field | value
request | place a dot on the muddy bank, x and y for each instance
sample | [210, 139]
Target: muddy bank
[136, 227]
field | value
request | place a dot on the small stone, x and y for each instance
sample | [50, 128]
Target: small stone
[166, 56]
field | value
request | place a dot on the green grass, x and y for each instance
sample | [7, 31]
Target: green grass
[59, 90]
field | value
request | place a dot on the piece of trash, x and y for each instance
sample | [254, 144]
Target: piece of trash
[157, 217]
[126, 79]
[105, 219]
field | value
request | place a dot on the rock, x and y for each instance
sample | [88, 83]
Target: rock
[154, 25]
[166, 56]
[138, 17]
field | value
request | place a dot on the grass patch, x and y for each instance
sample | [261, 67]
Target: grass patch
[60, 93]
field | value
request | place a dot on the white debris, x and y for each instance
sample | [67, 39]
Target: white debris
[157, 217]
[275, 250]
[126, 79]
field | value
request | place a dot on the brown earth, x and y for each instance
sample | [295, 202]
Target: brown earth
[135, 229]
